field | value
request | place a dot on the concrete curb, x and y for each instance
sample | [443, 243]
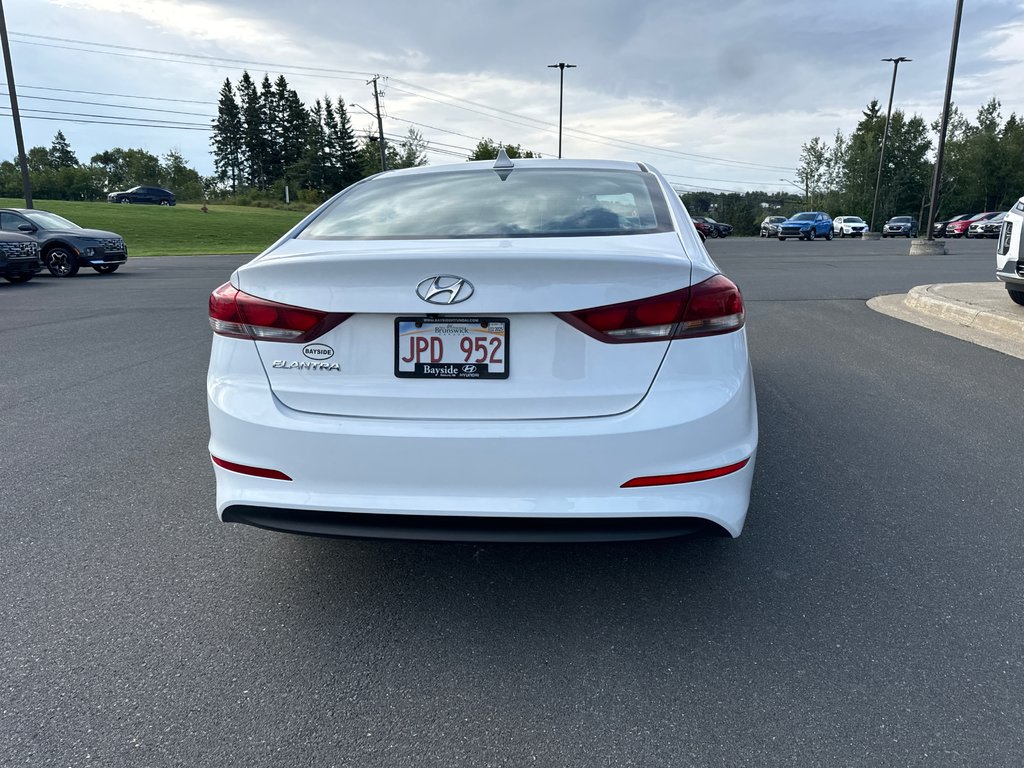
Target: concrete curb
[928, 299]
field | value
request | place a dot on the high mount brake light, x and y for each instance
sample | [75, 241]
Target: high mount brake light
[241, 316]
[712, 307]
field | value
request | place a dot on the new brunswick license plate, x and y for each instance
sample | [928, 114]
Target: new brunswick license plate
[451, 347]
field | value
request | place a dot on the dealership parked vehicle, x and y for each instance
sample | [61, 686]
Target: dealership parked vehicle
[939, 230]
[770, 226]
[959, 228]
[718, 229]
[807, 225]
[143, 195]
[705, 229]
[523, 362]
[987, 227]
[64, 246]
[1010, 253]
[849, 226]
[900, 226]
[19, 257]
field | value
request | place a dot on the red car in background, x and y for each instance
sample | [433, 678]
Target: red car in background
[703, 228]
[959, 228]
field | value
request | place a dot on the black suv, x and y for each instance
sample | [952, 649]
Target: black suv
[19, 257]
[150, 195]
[64, 246]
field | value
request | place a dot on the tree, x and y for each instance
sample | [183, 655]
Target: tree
[176, 175]
[486, 149]
[227, 138]
[61, 155]
[344, 147]
[121, 168]
[254, 140]
[412, 150]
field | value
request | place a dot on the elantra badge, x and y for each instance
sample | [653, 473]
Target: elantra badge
[444, 289]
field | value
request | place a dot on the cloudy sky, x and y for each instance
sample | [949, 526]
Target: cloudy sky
[716, 95]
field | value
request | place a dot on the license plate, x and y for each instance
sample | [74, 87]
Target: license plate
[451, 347]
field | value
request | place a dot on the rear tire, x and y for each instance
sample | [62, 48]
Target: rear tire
[829, 235]
[1016, 294]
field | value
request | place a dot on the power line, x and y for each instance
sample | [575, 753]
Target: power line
[119, 95]
[272, 65]
[532, 123]
[168, 123]
[119, 106]
[105, 122]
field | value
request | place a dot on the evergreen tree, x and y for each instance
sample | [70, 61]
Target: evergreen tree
[272, 133]
[344, 146]
[227, 138]
[254, 143]
[61, 155]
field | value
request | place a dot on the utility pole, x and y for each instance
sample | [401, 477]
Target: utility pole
[561, 67]
[940, 151]
[380, 124]
[26, 183]
[885, 135]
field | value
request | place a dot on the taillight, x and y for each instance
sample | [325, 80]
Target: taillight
[237, 314]
[705, 309]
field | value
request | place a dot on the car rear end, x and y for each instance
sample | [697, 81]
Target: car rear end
[19, 257]
[431, 355]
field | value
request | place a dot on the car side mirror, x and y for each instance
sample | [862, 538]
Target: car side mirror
[27, 227]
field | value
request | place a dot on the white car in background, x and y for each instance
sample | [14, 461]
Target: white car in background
[536, 350]
[849, 226]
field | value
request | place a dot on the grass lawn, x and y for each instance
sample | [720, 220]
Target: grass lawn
[155, 230]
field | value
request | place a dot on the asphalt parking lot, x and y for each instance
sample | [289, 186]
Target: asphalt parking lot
[872, 613]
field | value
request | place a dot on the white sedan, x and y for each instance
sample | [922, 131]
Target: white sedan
[537, 350]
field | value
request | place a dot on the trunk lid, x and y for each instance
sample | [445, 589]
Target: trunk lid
[554, 370]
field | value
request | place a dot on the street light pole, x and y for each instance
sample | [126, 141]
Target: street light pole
[885, 136]
[561, 67]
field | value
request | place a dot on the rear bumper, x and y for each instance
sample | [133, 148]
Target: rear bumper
[491, 479]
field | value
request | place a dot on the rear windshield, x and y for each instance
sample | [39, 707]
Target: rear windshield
[530, 202]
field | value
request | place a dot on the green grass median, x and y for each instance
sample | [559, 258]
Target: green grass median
[180, 230]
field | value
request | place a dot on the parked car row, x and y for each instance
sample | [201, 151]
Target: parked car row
[31, 239]
[960, 226]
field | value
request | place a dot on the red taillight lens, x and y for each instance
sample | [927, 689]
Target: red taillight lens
[685, 477]
[245, 469]
[237, 314]
[705, 309]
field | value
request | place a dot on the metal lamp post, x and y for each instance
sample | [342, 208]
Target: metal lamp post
[885, 136]
[561, 67]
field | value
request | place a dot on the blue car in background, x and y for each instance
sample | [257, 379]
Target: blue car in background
[807, 225]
